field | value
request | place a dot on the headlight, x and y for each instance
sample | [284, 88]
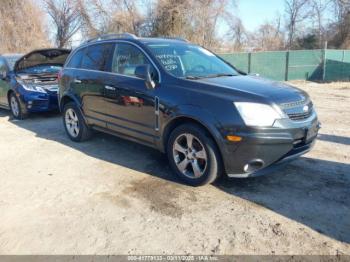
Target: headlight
[32, 87]
[255, 114]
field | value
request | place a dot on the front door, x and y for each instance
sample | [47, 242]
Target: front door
[130, 105]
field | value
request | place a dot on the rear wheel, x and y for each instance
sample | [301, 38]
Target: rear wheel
[74, 123]
[17, 109]
[193, 155]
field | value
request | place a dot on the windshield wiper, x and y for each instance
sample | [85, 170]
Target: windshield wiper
[218, 75]
[193, 77]
[208, 76]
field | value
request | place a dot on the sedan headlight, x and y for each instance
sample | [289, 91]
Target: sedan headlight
[32, 87]
[256, 114]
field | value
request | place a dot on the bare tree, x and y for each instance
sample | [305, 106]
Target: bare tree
[66, 19]
[319, 7]
[296, 12]
[268, 36]
[196, 20]
[342, 23]
[238, 34]
[113, 16]
[21, 26]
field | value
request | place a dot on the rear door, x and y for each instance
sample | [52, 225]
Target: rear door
[94, 76]
[4, 83]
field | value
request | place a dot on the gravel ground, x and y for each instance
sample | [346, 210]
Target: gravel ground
[110, 196]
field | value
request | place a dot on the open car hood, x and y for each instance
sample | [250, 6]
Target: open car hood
[52, 56]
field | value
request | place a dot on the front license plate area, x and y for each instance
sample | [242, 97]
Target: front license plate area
[311, 133]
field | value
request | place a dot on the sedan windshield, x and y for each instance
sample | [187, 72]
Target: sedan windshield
[190, 61]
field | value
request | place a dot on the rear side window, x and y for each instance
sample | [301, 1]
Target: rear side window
[75, 61]
[98, 57]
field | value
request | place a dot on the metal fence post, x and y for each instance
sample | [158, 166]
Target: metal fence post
[249, 62]
[287, 66]
[324, 62]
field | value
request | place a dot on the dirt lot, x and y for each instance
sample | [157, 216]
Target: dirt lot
[109, 196]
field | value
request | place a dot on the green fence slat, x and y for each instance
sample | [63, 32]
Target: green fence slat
[302, 64]
[269, 64]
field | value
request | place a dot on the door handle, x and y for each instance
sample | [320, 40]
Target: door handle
[110, 88]
[77, 81]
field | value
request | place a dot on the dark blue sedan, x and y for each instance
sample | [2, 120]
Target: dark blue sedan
[28, 83]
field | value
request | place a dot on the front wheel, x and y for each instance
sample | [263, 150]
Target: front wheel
[17, 109]
[74, 123]
[193, 155]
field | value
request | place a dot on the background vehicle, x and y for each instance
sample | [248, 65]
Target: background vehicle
[204, 114]
[29, 83]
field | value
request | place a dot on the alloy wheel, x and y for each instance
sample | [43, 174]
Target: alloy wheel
[14, 106]
[72, 122]
[190, 155]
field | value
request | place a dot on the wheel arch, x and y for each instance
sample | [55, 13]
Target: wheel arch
[9, 92]
[187, 119]
[66, 98]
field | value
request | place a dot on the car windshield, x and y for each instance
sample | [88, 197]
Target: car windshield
[41, 69]
[190, 61]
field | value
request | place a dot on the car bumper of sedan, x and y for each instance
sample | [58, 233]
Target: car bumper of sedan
[262, 150]
[40, 102]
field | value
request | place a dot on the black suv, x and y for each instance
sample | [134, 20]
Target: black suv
[184, 100]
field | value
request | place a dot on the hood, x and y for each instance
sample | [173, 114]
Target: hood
[52, 56]
[270, 90]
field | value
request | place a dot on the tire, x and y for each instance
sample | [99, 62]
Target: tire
[74, 123]
[17, 108]
[197, 165]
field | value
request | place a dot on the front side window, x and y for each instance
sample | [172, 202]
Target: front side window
[75, 61]
[184, 60]
[127, 58]
[97, 57]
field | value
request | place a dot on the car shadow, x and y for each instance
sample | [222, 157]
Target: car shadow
[310, 191]
[335, 139]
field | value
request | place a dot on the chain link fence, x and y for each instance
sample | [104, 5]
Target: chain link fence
[313, 65]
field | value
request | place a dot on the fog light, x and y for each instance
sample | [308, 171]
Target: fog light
[253, 165]
[234, 138]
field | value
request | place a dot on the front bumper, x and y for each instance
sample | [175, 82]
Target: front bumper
[40, 102]
[262, 149]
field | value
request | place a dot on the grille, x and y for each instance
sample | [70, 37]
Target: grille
[300, 116]
[297, 111]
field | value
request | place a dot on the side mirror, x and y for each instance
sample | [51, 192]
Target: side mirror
[144, 72]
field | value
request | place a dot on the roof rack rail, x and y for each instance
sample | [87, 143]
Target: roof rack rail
[112, 36]
[174, 38]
